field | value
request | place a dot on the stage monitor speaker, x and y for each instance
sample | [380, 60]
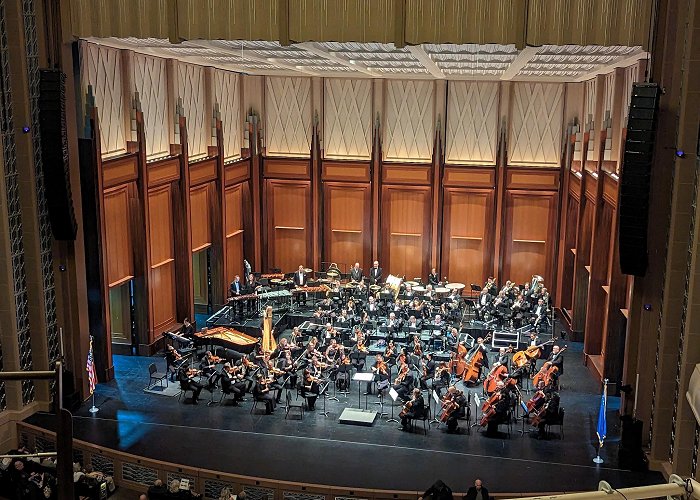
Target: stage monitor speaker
[54, 152]
[635, 179]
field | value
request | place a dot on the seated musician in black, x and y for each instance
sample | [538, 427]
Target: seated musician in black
[403, 384]
[556, 358]
[343, 321]
[231, 383]
[415, 408]
[428, 371]
[551, 413]
[207, 365]
[441, 378]
[172, 361]
[187, 328]
[502, 358]
[381, 372]
[310, 389]
[372, 308]
[413, 324]
[261, 392]
[188, 383]
[460, 412]
[501, 407]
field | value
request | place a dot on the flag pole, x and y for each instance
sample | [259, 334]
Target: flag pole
[602, 424]
[92, 377]
[94, 408]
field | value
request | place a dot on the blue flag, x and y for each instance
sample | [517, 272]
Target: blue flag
[602, 428]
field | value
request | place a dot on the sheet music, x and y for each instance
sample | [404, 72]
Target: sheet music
[436, 398]
[393, 394]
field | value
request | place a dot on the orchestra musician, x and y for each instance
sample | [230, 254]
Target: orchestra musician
[252, 286]
[549, 414]
[232, 382]
[502, 358]
[417, 346]
[414, 408]
[173, 358]
[300, 280]
[344, 321]
[403, 384]
[539, 314]
[433, 277]
[187, 328]
[207, 364]
[451, 338]
[428, 368]
[479, 345]
[441, 379]
[460, 400]
[556, 358]
[286, 364]
[375, 274]
[413, 324]
[356, 273]
[310, 389]
[381, 372]
[501, 408]
[261, 392]
[372, 308]
[332, 352]
[235, 289]
[186, 377]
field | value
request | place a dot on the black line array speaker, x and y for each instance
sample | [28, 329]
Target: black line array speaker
[54, 152]
[633, 203]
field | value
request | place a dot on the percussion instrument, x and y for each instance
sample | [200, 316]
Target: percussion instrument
[455, 286]
[412, 283]
[332, 273]
[419, 288]
[375, 288]
[275, 281]
[308, 271]
[441, 290]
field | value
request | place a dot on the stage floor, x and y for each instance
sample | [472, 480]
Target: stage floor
[321, 450]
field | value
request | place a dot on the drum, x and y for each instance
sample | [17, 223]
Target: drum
[412, 283]
[308, 271]
[419, 289]
[455, 286]
[442, 291]
[275, 281]
[375, 288]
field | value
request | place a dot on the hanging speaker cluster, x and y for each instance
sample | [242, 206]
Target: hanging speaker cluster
[54, 153]
[633, 203]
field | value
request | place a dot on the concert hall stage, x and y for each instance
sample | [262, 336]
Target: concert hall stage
[320, 450]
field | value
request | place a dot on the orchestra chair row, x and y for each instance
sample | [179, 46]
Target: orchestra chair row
[155, 375]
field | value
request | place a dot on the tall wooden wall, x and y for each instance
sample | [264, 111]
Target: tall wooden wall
[593, 293]
[463, 176]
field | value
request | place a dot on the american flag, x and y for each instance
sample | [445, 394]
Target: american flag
[90, 368]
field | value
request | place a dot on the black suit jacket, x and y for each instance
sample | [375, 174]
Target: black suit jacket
[300, 280]
[433, 279]
[356, 275]
[375, 275]
[471, 494]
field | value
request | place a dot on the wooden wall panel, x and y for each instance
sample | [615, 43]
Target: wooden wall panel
[467, 233]
[233, 223]
[161, 242]
[345, 171]
[288, 222]
[120, 262]
[469, 177]
[119, 171]
[406, 174]
[286, 168]
[200, 204]
[529, 235]
[406, 230]
[532, 178]
[346, 223]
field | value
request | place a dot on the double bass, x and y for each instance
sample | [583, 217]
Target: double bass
[522, 358]
[449, 405]
[497, 374]
[547, 372]
[473, 366]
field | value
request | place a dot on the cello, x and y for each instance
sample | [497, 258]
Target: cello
[547, 372]
[473, 364]
[522, 358]
[497, 374]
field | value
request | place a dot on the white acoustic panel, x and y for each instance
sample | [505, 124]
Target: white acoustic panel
[101, 67]
[409, 126]
[150, 81]
[347, 124]
[472, 122]
[589, 98]
[227, 96]
[631, 76]
[608, 91]
[287, 116]
[191, 88]
[536, 124]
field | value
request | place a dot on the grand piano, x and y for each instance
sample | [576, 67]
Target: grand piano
[225, 337]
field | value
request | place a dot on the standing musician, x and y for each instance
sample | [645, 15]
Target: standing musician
[310, 389]
[480, 346]
[261, 392]
[433, 277]
[235, 289]
[286, 364]
[232, 382]
[403, 384]
[375, 274]
[187, 382]
[380, 370]
[483, 304]
[539, 314]
[252, 286]
[356, 273]
[415, 408]
[300, 280]
[428, 370]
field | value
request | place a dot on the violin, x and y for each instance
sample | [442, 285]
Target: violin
[381, 367]
[402, 375]
[216, 359]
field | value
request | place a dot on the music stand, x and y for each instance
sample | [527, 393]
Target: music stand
[523, 417]
[287, 395]
[438, 403]
[323, 392]
[477, 404]
[360, 377]
[394, 396]
[381, 398]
